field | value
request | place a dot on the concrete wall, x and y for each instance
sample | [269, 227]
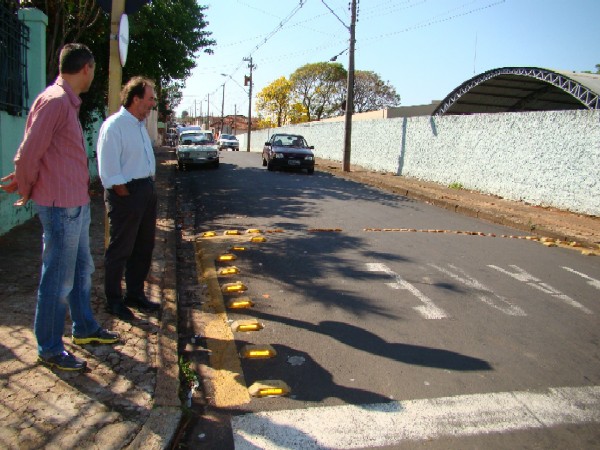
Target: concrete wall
[544, 158]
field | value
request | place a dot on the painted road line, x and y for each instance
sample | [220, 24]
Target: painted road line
[536, 283]
[591, 281]
[389, 424]
[494, 300]
[428, 309]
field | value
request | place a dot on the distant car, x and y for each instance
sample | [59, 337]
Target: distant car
[196, 147]
[288, 151]
[228, 141]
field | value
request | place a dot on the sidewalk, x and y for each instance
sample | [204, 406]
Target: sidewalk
[128, 398]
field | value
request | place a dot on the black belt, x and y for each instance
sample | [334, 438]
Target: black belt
[137, 181]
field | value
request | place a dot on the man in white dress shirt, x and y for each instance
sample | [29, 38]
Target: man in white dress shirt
[127, 166]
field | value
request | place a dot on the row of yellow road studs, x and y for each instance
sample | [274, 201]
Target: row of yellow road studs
[235, 299]
[546, 241]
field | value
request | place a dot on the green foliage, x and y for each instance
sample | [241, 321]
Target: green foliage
[371, 93]
[317, 87]
[165, 36]
[273, 102]
[457, 186]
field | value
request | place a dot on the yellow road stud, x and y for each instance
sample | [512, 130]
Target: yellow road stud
[253, 231]
[238, 248]
[269, 388]
[258, 352]
[238, 286]
[231, 270]
[209, 234]
[247, 325]
[240, 303]
[232, 232]
[226, 257]
[258, 239]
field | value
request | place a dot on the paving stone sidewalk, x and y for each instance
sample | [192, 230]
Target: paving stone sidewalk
[128, 397]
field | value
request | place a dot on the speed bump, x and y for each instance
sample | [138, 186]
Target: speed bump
[230, 270]
[252, 351]
[229, 288]
[240, 303]
[226, 257]
[258, 239]
[247, 325]
[269, 388]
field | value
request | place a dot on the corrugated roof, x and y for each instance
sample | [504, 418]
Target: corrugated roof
[514, 89]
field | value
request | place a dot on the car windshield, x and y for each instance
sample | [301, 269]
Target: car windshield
[289, 141]
[228, 137]
[196, 139]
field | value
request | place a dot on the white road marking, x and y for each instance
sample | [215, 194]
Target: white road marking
[488, 297]
[535, 283]
[428, 309]
[591, 281]
[387, 424]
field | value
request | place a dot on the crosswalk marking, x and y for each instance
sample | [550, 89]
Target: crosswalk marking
[522, 275]
[387, 424]
[591, 281]
[484, 293]
[428, 309]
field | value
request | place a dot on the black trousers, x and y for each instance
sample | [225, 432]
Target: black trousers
[132, 228]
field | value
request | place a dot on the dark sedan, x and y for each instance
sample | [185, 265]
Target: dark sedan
[288, 151]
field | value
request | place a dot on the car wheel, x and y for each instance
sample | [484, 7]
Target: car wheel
[180, 165]
[264, 162]
[216, 165]
[270, 167]
[310, 171]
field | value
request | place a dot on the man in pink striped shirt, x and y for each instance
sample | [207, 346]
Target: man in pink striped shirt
[51, 169]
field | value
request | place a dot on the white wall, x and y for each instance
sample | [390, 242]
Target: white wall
[544, 158]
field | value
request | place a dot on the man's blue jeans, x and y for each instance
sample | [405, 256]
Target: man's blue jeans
[66, 278]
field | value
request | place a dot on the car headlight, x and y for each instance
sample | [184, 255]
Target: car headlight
[309, 158]
[212, 154]
[278, 155]
[184, 154]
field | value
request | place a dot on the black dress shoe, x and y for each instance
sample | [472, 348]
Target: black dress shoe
[141, 302]
[120, 310]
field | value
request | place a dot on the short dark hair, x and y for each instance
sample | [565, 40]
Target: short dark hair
[73, 57]
[135, 87]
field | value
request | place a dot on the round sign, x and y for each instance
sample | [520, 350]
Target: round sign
[123, 38]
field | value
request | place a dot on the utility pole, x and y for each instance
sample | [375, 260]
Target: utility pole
[115, 71]
[208, 112]
[234, 117]
[222, 111]
[249, 80]
[350, 93]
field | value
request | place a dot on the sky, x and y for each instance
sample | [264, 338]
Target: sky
[423, 48]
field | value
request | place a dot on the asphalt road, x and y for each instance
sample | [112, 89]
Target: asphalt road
[446, 332]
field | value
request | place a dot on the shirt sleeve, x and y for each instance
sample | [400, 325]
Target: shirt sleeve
[41, 126]
[109, 149]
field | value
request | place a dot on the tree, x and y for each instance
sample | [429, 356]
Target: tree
[165, 37]
[273, 101]
[317, 86]
[371, 93]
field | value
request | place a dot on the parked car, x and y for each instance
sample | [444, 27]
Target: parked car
[196, 147]
[288, 151]
[228, 141]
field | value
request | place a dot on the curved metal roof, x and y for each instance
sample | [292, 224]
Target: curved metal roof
[514, 89]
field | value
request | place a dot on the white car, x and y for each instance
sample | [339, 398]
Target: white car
[197, 147]
[228, 141]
